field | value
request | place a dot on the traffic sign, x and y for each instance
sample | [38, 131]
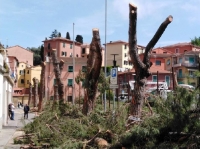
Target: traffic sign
[113, 86]
[113, 78]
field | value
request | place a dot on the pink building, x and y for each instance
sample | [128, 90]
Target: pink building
[23, 55]
[65, 52]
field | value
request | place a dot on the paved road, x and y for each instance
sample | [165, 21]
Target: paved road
[12, 130]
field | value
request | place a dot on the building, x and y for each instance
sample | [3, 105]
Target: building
[65, 48]
[179, 48]
[184, 65]
[23, 55]
[25, 74]
[158, 72]
[6, 87]
[120, 49]
[13, 61]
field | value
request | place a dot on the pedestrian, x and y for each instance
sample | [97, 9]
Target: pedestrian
[9, 110]
[12, 111]
[18, 105]
[26, 109]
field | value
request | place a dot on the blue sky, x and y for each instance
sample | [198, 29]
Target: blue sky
[27, 23]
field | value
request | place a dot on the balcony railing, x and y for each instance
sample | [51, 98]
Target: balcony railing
[181, 76]
[186, 64]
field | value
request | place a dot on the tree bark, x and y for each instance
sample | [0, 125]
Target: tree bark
[35, 81]
[93, 71]
[141, 67]
[58, 67]
[42, 82]
[30, 94]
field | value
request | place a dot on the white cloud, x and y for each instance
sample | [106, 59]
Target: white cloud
[145, 8]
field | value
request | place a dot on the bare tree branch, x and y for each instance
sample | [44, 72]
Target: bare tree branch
[155, 39]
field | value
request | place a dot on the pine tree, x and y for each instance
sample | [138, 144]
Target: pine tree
[67, 36]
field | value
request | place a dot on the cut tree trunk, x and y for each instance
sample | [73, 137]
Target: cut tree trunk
[35, 81]
[93, 71]
[30, 94]
[42, 82]
[58, 87]
[141, 67]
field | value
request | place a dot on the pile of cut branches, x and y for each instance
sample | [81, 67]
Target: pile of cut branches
[173, 124]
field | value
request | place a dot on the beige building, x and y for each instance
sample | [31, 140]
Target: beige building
[120, 49]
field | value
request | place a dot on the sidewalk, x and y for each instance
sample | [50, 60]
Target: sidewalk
[12, 129]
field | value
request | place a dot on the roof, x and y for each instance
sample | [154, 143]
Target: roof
[10, 48]
[61, 38]
[178, 44]
[153, 70]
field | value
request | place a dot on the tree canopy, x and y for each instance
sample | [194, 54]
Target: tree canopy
[67, 36]
[38, 54]
[196, 41]
[54, 34]
[79, 38]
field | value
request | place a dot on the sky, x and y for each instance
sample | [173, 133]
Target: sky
[28, 22]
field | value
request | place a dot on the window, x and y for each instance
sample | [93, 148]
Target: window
[54, 81]
[22, 81]
[154, 78]
[191, 73]
[125, 62]
[27, 71]
[154, 52]
[180, 60]
[168, 62]
[70, 55]
[48, 54]
[27, 82]
[49, 46]
[84, 68]
[70, 82]
[191, 60]
[71, 46]
[185, 51]
[167, 79]
[180, 73]
[176, 50]
[64, 53]
[63, 45]
[164, 52]
[125, 46]
[125, 55]
[83, 50]
[158, 63]
[69, 98]
[21, 72]
[70, 68]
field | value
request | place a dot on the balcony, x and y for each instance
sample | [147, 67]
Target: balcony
[186, 64]
[182, 76]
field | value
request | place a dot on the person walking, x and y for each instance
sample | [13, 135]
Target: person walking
[12, 111]
[26, 109]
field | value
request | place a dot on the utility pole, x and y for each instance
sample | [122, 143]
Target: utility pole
[73, 88]
[105, 65]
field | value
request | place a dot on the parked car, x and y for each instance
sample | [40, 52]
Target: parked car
[186, 86]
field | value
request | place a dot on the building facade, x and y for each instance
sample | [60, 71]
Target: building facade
[6, 87]
[73, 63]
[23, 55]
[119, 50]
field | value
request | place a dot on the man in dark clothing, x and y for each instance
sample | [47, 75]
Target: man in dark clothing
[26, 109]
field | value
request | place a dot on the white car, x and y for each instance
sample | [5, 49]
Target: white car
[186, 86]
